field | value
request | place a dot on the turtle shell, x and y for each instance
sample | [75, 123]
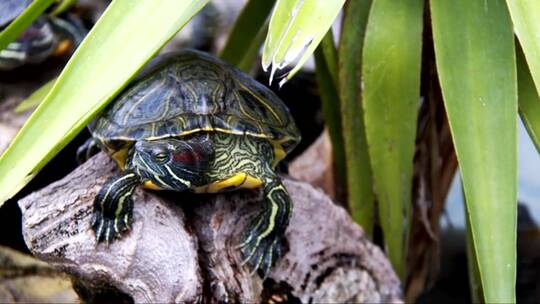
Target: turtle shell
[10, 9]
[186, 92]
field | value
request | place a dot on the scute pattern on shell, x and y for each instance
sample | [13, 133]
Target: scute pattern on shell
[188, 91]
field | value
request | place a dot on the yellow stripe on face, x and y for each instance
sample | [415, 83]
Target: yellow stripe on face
[183, 181]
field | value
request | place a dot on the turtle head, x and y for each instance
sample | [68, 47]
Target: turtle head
[172, 164]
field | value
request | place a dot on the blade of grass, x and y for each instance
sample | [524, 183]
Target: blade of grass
[296, 28]
[328, 48]
[472, 266]
[246, 37]
[250, 57]
[525, 16]
[17, 26]
[475, 57]
[359, 183]
[330, 106]
[529, 100]
[391, 94]
[63, 7]
[106, 60]
[36, 98]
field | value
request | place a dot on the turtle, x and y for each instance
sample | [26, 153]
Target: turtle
[192, 122]
[46, 36]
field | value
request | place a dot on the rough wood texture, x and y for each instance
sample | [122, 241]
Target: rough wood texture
[188, 253]
[24, 279]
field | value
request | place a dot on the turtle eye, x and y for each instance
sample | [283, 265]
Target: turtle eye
[161, 157]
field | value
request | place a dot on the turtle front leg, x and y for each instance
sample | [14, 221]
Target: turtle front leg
[113, 206]
[262, 241]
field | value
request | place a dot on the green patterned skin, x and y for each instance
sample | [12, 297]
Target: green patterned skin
[193, 123]
[241, 154]
[254, 156]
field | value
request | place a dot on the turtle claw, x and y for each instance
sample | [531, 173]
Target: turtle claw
[261, 254]
[109, 229]
[262, 242]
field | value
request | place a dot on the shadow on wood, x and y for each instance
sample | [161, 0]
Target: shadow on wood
[182, 246]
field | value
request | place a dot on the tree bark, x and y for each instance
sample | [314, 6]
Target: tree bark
[181, 247]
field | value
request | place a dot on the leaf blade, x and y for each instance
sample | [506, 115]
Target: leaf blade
[474, 50]
[36, 98]
[359, 180]
[331, 110]
[245, 39]
[106, 60]
[524, 15]
[391, 94]
[17, 26]
[288, 41]
[529, 100]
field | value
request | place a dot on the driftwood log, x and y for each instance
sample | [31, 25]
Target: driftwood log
[24, 279]
[181, 247]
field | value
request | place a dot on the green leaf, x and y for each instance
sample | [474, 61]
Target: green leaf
[529, 100]
[391, 94]
[36, 98]
[63, 6]
[127, 35]
[296, 28]
[472, 266]
[329, 52]
[525, 15]
[17, 26]
[246, 37]
[330, 107]
[359, 183]
[474, 48]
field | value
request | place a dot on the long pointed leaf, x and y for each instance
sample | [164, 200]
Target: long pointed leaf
[63, 6]
[359, 183]
[17, 26]
[529, 100]
[296, 28]
[330, 106]
[474, 50]
[391, 94]
[472, 266]
[36, 98]
[244, 41]
[329, 51]
[128, 34]
[526, 18]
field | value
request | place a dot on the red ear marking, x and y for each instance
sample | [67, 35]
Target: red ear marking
[184, 157]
